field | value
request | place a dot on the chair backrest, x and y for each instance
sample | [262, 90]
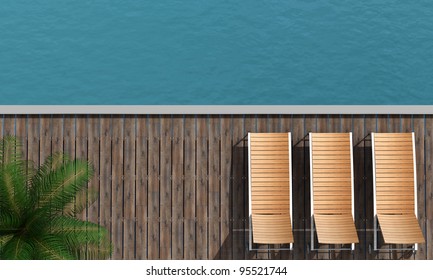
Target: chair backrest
[270, 173]
[394, 173]
[331, 159]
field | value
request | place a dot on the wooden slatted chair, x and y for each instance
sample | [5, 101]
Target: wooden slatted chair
[394, 183]
[331, 186]
[270, 188]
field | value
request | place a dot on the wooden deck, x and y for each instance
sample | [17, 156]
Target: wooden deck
[175, 187]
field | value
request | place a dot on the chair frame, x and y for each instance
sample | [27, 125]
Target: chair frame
[312, 235]
[250, 215]
[375, 220]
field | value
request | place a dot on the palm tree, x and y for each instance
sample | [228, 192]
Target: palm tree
[38, 208]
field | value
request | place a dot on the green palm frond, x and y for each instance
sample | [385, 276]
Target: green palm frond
[78, 231]
[4, 239]
[40, 175]
[83, 199]
[9, 223]
[52, 247]
[18, 248]
[61, 185]
[13, 183]
[13, 192]
[38, 208]
[83, 237]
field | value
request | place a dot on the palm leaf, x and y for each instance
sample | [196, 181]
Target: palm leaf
[13, 192]
[61, 185]
[82, 200]
[86, 239]
[78, 231]
[51, 247]
[17, 248]
[4, 239]
[38, 208]
[40, 175]
[9, 223]
[13, 182]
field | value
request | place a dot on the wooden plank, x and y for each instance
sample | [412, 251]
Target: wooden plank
[46, 137]
[329, 127]
[392, 133]
[427, 225]
[214, 187]
[392, 149]
[259, 137]
[331, 141]
[2, 126]
[202, 188]
[237, 204]
[80, 148]
[270, 148]
[406, 123]
[395, 125]
[419, 130]
[105, 174]
[21, 132]
[57, 133]
[189, 191]
[226, 182]
[117, 220]
[285, 123]
[129, 186]
[153, 198]
[255, 157]
[270, 162]
[8, 125]
[274, 123]
[93, 134]
[334, 124]
[33, 150]
[177, 236]
[258, 130]
[346, 122]
[270, 154]
[404, 151]
[68, 136]
[141, 191]
[165, 187]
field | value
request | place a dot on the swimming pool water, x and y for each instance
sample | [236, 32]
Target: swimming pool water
[216, 52]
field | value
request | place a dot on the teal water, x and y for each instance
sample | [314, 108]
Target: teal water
[216, 52]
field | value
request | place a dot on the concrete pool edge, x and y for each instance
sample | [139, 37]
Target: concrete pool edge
[214, 109]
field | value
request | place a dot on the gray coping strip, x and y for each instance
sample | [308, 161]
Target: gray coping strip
[215, 109]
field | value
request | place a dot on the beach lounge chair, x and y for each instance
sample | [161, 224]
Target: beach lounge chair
[270, 188]
[331, 186]
[394, 189]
